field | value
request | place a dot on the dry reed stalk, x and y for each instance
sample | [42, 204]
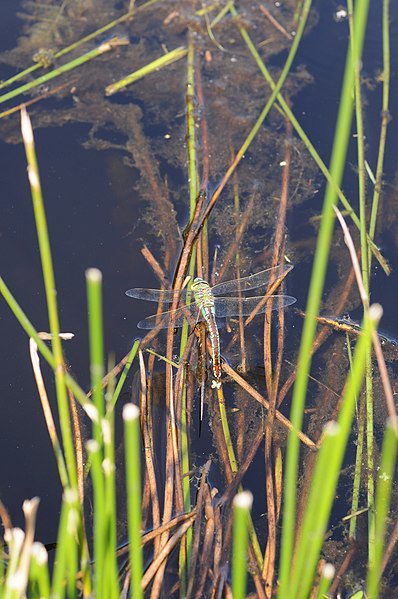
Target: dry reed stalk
[174, 430]
[275, 23]
[272, 377]
[392, 541]
[179, 383]
[78, 442]
[322, 335]
[233, 248]
[202, 246]
[45, 404]
[271, 289]
[218, 541]
[156, 268]
[258, 397]
[233, 485]
[314, 594]
[179, 278]
[148, 452]
[343, 568]
[4, 516]
[155, 567]
[196, 535]
[365, 300]
[242, 343]
[206, 554]
[146, 500]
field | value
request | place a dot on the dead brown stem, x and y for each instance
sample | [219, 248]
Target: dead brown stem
[258, 397]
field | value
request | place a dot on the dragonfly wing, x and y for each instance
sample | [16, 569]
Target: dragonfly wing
[231, 306]
[157, 295]
[164, 320]
[260, 279]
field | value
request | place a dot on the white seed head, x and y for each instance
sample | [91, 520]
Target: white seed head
[30, 506]
[14, 536]
[244, 500]
[94, 275]
[331, 428]
[91, 411]
[71, 496]
[328, 571]
[106, 431]
[108, 467]
[39, 553]
[92, 446]
[375, 312]
[72, 523]
[26, 126]
[33, 178]
[130, 412]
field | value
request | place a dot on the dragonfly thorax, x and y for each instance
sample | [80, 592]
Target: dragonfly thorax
[203, 294]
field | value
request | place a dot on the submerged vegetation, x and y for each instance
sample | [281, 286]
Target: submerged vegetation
[313, 437]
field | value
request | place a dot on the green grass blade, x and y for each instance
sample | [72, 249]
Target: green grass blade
[327, 469]
[94, 297]
[385, 476]
[342, 135]
[49, 283]
[123, 376]
[152, 67]
[73, 64]
[242, 505]
[131, 416]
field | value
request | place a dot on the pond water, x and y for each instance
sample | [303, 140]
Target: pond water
[93, 153]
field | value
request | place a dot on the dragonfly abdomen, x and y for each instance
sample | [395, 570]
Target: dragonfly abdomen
[205, 300]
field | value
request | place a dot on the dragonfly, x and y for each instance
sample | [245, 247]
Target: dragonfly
[209, 304]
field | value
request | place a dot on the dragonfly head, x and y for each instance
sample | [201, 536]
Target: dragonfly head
[197, 281]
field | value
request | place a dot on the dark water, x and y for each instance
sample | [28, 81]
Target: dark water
[86, 193]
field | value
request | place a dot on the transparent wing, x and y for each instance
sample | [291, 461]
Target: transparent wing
[192, 313]
[230, 306]
[156, 295]
[260, 279]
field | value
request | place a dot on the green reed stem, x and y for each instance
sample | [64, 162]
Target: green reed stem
[383, 497]
[73, 46]
[356, 64]
[66, 567]
[153, 66]
[109, 467]
[234, 467]
[39, 577]
[356, 485]
[342, 135]
[97, 474]
[77, 62]
[327, 575]
[305, 139]
[327, 470]
[285, 71]
[104, 460]
[51, 295]
[191, 129]
[131, 415]
[186, 548]
[384, 120]
[242, 505]
[123, 376]
[94, 297]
